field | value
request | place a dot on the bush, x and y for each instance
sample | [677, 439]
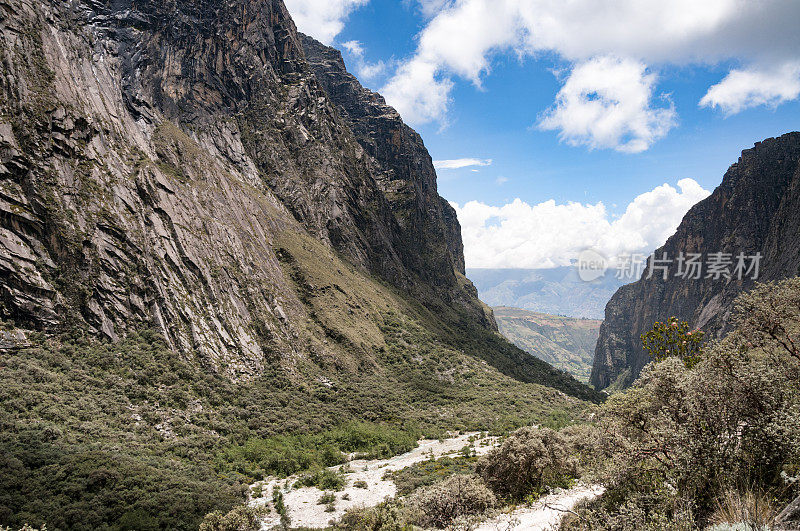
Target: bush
[242, 518]
[430, 471]
[326, 498]
[323, 479]
[528, 462]
[386, 516]
[284, 455]
[674, 339]
[694, 444]
[440, 504]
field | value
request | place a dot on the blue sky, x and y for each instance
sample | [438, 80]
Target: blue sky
[422, 56]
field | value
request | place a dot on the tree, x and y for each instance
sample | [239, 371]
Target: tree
[674, 339]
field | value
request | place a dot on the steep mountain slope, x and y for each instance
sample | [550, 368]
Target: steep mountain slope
[556, 291]
[754, 210]
[565, 343]
[201, 247]
[150, 161]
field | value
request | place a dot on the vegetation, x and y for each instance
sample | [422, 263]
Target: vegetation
[457, 497]
[428, 472]
[106, 435]
[242, 518]
[323, 479]
[713, 441]
[530, 461]
[386, 516]
[284, 455]
[674, 339]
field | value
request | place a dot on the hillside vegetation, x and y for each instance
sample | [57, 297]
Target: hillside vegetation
[566, 343]
[707, 438]
[101, 434]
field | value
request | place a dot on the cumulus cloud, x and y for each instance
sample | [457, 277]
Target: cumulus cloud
[750, 88]
[364, 69]
[453, 164]
[548, 234]
[417, 94]
[463, 36]
[606, 102]
[322, 19]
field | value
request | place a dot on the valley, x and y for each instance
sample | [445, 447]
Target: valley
[566, 343]
[233, 297]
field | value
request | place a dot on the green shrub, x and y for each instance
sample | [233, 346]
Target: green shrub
[326, 498]
[692, 445]
[284, 455]
[430, 471]
[323, 479]
[442, 503]
[386, 516]
[674, 339]
[529, 461]
[242, 518]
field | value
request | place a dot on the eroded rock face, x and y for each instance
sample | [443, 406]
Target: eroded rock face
[154, 155]
[431, 245]
[756, 209]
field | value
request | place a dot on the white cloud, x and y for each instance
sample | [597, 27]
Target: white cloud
[322, 19]
[430, 8]
[354, 47]
[519, 235]
[753, 87]
[500, 181]
[416, 93]
[464, 36]
[606, 103]
[364, 70]
[453, 164]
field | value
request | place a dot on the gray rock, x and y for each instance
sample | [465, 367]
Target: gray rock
[754, 210]
[161, 154]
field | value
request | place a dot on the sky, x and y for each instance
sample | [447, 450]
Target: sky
[561, 125]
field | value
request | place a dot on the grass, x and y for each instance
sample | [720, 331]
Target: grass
[431, 471]
[106, 435]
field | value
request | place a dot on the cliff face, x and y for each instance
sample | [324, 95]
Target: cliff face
[430, 234]
[168, 163]
[754, 210]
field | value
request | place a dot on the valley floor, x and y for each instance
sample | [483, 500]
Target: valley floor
[302, 505]
[375, 485]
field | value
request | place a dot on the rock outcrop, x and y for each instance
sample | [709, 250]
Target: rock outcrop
[430, 234]
[156, 158]
[754, 210]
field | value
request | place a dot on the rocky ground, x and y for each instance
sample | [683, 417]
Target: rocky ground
[305, 510]
[302, 505]
[545, 514]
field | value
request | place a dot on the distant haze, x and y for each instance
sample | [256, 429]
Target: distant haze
[556, 291]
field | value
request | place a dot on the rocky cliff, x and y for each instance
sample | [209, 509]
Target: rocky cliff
[164, 163]
[754, 210]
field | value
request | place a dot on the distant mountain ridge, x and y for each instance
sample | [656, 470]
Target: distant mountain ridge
[556, 291]
[566, 343]
[754, 210]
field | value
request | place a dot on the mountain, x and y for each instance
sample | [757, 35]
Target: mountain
[212, 237]
[566, 343]
[158, 172]
[556, 291]
[754, 211]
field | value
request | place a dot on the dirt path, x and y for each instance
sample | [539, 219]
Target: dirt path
[302, 504]
[545, 514]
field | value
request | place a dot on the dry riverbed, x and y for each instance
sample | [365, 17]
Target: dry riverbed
[374, 486]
